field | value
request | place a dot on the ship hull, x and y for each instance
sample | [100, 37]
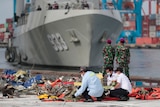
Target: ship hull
[70, 39]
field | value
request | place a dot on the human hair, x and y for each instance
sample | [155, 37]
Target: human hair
[84, 69]
[109, 68]
[119, 69]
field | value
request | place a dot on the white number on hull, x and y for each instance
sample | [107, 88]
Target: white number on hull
[52, 42]
[60, 39]
[57, 42]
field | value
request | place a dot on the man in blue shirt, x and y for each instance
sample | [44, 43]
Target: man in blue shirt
[91, 86]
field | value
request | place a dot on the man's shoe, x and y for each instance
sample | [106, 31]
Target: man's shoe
[124, 98]
[99, 99]
[89, 100]
[107, 92]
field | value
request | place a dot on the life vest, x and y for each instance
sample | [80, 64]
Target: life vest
[145, 93]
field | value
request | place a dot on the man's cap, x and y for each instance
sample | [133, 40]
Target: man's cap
[119, 69]
[109, 41]
[83, 68]
[122, 40]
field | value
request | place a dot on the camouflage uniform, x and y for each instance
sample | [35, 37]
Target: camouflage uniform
[123, 58]
[108, 55]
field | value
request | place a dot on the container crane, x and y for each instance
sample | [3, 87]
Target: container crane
[129, 7]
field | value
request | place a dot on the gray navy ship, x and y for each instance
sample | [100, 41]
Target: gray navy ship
[63, 36]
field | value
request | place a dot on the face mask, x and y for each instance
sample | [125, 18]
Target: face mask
[82, 75]
[108, 73]
[117, 74]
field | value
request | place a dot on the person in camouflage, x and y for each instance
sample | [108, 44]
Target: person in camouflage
[108, 54]
[122, 55]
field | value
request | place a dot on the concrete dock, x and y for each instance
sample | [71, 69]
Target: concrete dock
[33, 101]
[143, 46]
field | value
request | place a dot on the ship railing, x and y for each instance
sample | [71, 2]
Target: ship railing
[22, 20]
[74, 5]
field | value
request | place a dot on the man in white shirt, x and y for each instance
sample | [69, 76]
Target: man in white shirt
[91, 86]
[111, 76]
[123, 86]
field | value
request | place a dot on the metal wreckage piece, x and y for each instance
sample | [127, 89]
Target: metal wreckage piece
[60, 92]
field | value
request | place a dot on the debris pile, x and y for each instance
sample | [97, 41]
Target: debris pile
[14, 83]
[53, 87]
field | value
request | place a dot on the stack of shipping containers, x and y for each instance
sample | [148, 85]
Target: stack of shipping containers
[2, 30]
[129, 22]
[158, 18]
[145, 27]
[158, 25]
[152, 25]
[9, 30]
[150, 28]
[6, 30]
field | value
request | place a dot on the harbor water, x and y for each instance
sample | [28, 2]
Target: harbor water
[144, 62]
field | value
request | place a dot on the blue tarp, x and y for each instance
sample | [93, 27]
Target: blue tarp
[27, 83]
[32, 80]
[9, 72]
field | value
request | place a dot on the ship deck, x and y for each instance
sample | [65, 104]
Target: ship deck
[33, 101]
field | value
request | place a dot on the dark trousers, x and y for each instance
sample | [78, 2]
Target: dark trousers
[87, 96]
[119, 93]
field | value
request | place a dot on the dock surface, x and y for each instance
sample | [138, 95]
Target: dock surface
[33, 101]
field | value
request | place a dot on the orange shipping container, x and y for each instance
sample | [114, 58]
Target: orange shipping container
[132, 28]
[132, 23]
[1, 36]
[145, 23]
[145, 29]
[145, 32]
[145, 35]
[147, 40]
[155, 40]
[152, 22]
[129, 28]
[158, 40]
[139, 41]
[9, 20]
[145, 17]
[125, 28]
[9, 25]
[144, 40]
[158, 28]
[1, 25]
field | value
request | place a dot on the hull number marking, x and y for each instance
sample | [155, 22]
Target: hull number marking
[57, 42]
